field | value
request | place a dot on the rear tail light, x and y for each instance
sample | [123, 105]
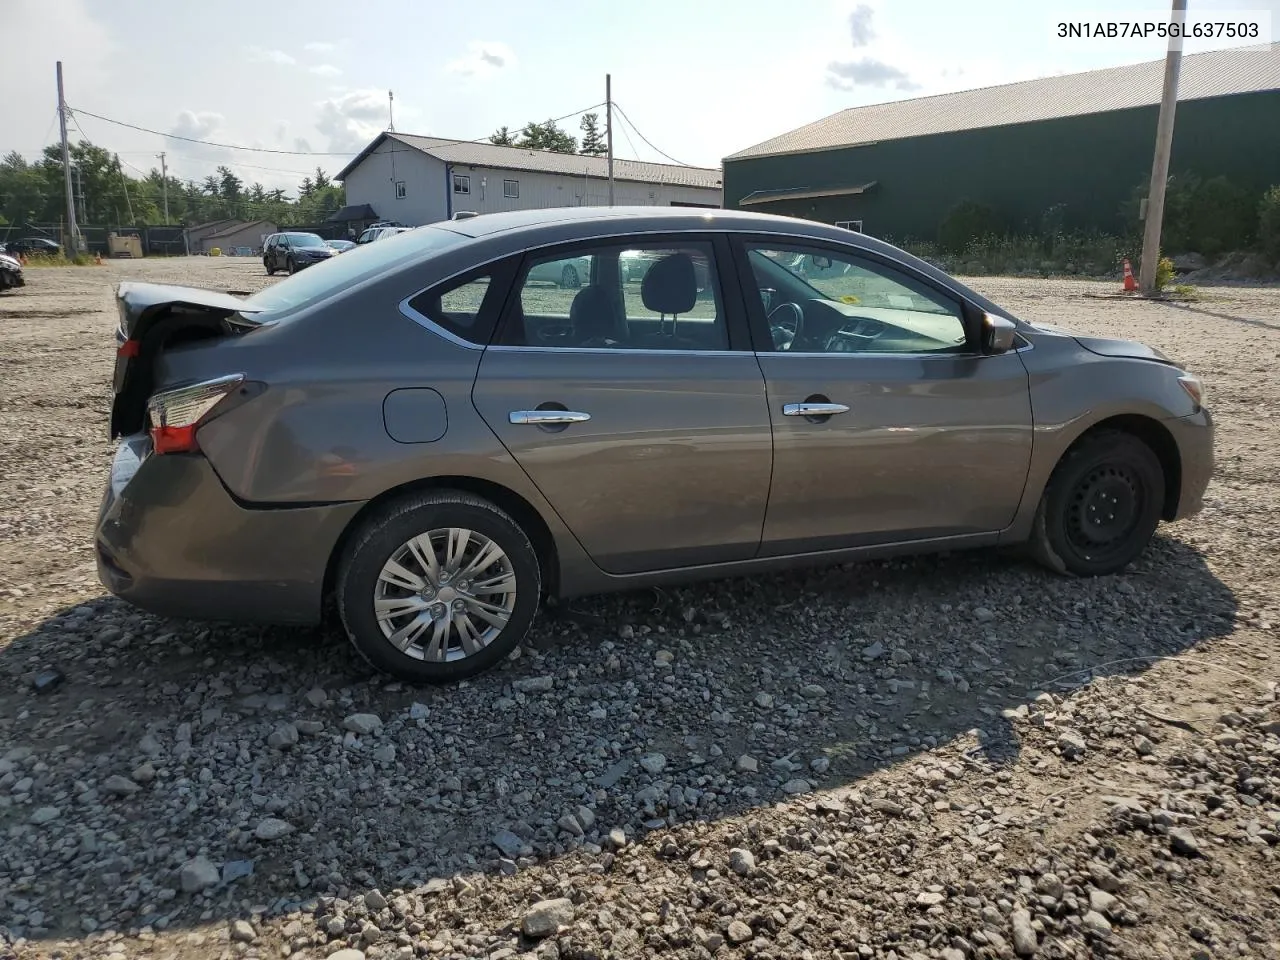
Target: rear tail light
[176, 414]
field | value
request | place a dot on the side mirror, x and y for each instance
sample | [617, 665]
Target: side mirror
[998, 334]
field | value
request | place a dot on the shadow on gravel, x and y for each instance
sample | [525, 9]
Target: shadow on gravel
[169, 741]
[1217, 315]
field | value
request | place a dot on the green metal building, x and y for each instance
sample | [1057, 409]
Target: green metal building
[1083, 141]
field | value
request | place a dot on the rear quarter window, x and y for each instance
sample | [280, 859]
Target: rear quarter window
[466, 307]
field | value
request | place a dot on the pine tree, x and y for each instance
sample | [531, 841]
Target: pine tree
[593, 141]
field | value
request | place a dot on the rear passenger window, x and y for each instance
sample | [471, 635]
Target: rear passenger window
[465, 307]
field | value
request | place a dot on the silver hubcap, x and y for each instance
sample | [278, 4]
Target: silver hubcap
[445, 595]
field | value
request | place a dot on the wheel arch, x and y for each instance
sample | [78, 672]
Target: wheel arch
[516, 506]
[1156, 436]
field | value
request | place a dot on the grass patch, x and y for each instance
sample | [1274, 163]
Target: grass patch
[60, 260]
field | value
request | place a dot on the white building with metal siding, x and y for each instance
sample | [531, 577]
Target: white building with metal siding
[417, 180]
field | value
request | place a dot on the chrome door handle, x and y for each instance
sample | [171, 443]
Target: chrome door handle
[813, 409]
[548, 417]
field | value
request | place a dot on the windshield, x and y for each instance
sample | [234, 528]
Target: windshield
[355, 266]
[304, 240]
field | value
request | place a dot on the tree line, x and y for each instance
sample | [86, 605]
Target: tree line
[549, 136]
[33, 192]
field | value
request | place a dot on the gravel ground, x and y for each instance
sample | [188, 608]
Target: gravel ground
[950, 757]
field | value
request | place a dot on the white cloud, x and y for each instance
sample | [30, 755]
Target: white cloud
[259, 55]
[325, 70]
[197, 126]
[483, 57]
[318, 46]
[350, 121]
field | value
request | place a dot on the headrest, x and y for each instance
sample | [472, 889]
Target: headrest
[591, 312]
[670, 285]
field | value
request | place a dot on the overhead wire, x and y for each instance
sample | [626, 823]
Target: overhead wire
[295, 153]
[632, 125]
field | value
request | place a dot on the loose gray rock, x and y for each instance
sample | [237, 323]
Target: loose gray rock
[1071, 744]
[617, 838]
[195, 875]
[654, 763]
[362, 724]
[533, 684]
[983, 615]
[874, 651]
[419, 711]
[1025, 943]
[1101, 902]
[1096, 924]
[813, 691]
[119, 786]
[797, 786]
[930, 898]
[45, 815]
[242, 932]
[508, 843]
[1183, 841]
[284, 735]
[739, 932]
[545, 917]
[144, 773]
[347, 954]
[742, 862]
[272, 829]
[317, 697]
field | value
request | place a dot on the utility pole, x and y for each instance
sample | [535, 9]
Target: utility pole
[164, 184]
[391, 112]
[608, 127]
[1164, 146]
[66, 167]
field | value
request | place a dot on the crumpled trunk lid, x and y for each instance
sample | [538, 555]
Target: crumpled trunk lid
[157, 317]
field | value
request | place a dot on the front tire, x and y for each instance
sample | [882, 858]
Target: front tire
[266, 264]
[1101, 506]
[438, 587]
[291, 265]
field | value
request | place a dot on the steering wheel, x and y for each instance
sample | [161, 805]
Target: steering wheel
[786, 323]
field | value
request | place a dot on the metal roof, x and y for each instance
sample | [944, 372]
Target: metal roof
[1216, 73]
[470, 153]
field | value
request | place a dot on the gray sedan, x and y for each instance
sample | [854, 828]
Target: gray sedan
[422, 433]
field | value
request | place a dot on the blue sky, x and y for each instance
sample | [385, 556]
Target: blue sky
[698, 78]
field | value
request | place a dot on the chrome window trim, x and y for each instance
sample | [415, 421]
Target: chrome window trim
[639, 352]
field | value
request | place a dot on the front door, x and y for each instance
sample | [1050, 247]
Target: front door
[635, 406]
[888, 427]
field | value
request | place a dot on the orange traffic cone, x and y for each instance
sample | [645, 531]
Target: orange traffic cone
[1130, 284]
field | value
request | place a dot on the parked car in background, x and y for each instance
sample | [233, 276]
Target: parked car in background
[567, 274]
[379, 233]
[427, 438]
[293, 251]
[33, 247]
[340, 246]
[11, 273]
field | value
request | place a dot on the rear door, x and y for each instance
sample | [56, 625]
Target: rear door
[889, 425]
[637, 409]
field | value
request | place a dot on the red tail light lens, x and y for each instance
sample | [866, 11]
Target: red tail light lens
[176, 414]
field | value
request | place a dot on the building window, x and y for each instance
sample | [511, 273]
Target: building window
[461, 184]
[400, 191]
[511, 189]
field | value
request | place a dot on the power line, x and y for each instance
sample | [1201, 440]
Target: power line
[617, 107]
[300, 153]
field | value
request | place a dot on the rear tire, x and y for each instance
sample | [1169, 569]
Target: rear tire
[448, 625]
[267, 266]
[1101, 506]
[569, 278]
[291, 266]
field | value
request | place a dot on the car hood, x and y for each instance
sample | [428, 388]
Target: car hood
[10, 262]
[315, 251]
[1110, 346]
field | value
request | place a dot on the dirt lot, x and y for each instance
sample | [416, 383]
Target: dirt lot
[948, 757]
